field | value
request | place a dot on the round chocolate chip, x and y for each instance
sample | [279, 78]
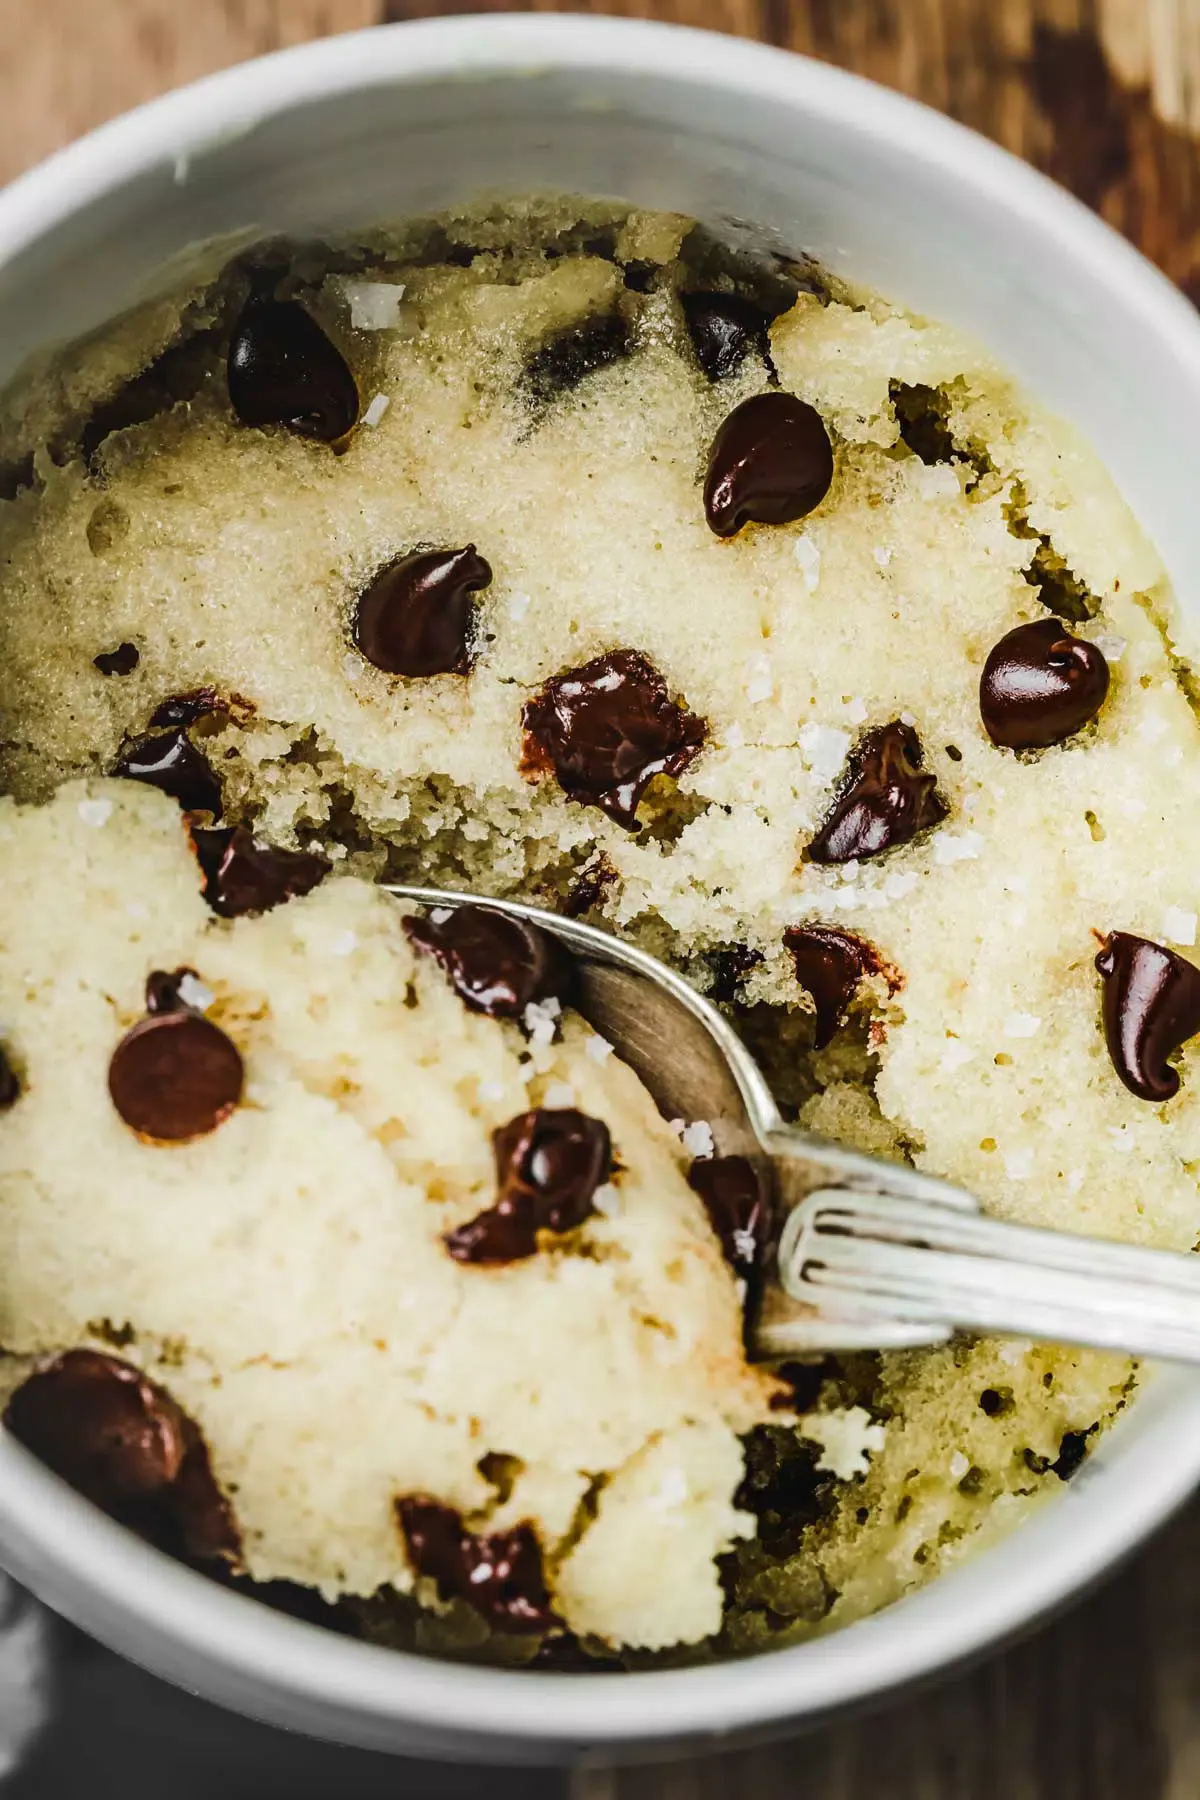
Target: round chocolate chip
[1151, 1006]
[417, 616]
[242, 877]
[548, 1167]
[500, 1574]
[771, 461]
[737, 1206]
[829, 966]
[120, 1440]
[497, 965]
[170, 761]
[724, 329]
[175, 1076]
[1040, 685]
[121, 661]
[886, 799]
[606, 729]
[284, 370]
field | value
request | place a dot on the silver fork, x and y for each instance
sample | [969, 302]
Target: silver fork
[870, 1254]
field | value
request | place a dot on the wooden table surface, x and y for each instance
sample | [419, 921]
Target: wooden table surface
[1104, 95]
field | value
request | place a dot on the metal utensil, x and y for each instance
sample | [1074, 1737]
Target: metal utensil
[870, 1254]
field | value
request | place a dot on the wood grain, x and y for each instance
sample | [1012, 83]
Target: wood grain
[1104, 95]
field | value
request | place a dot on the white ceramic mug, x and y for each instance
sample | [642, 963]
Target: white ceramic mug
[412, 118]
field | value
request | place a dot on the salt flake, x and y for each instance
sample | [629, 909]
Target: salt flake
[374, 305]
[598, 1048]
[193, 993]
[808, 555]
[959, 1465]
[697, 1138]
[823, 748]
[607, 1201]
[1179, 926]
[95, 812]
[376, 409]
[951, 847]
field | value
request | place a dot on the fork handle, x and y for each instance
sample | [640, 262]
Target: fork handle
[870, 1261]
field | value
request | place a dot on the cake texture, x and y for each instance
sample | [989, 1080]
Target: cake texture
[556, 551]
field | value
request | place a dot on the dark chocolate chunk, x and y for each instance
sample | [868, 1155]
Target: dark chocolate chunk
[548, 1167]
[185, 709]
[1151, 1006]
[242, 877]
[10, 1086]
[417, 616]
[886, 800]
[1040, 685]
[121, 661]
[606, 729]
[829, 966]
[737, 1206]
[121, 1441]
[724, 329]
[284, 370]
[589, 887]
[500, 1575]
[1072, 1453]
[730, 966]
[771, 461]
[175, 1075]
[496, 964]
[570, 356]
[170, 761]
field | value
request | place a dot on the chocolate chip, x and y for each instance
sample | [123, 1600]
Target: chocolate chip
[1040, 685]
[829, 966]
[606, 729]
[500, 1575]
[771, 461]
[185, 709]
[10, 1087]
[121, 1441]
[886, 799]
[175, 1076]
[730, 966]
[162, 990]
[737, 1206]
[1151, 1006]
[284, 370]
[1072, 1453]
[121, 661]
[495, 964]
[243, 877]
[724, 329]
[417, 617]
[548, 1167]
[589, 887]
[170, 761]
[570, 356]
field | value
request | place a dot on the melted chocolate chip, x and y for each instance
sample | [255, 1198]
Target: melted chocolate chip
[121, 1441]
[162, 990]
[242, 877]
[606, 729]
[417, 616]
[829, 966]
[500, 1575]
[10, 1087]
[730, 967]
[570, 356]
[771, 461]
[724, 329]
[548, 1167]
[284, 370]
[175, 1076]
[737, 1207]
[1040, 685]
[121, 661]
[1151, 1006]
[170, 761]
[885, 801]
[185, 709]
[589, 887]
[495, 964]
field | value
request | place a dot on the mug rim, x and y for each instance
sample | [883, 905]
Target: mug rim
[95, 1571]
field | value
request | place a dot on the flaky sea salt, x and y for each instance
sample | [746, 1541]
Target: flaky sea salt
[95, 812]
[847, 1440]
[598, 1048]
[376, 409]
[344, 944]
[1018, 1164]
[952, 847]
[808, 555]
[697, 1138]
[518, 606]
[1022, 1025]
[909, 719]
[607, 1201]
[1179, 926]
[193, 993]
[353, 667]
[760, 683]
[559, 1094]
[823, 748]
[439, 914]
[848, 871]
[539, 1020]
[374, 305]
[745, 1245]
[959, 1465]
